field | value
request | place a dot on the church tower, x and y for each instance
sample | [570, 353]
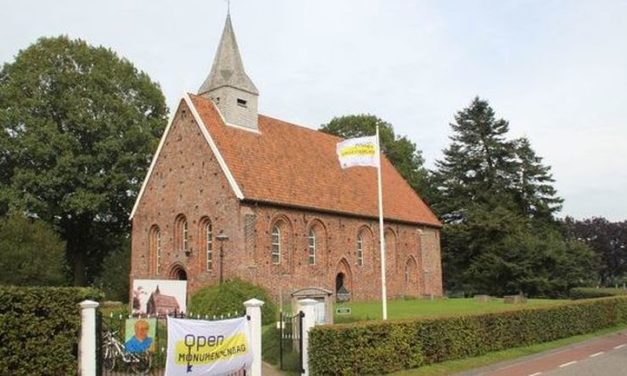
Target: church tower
[228, 85]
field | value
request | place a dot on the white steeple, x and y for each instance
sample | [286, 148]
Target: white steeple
[228, 85]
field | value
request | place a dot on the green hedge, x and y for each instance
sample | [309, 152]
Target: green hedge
[591, 292]
[39, 329]
[229, 297]
[383, 347]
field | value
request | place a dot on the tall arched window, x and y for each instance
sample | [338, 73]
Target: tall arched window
[181, 236]
[276, 244]
[311, 260]
[360, 249]
[155, 249]
[390, 247]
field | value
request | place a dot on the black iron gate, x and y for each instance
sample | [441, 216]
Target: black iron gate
[291, 341]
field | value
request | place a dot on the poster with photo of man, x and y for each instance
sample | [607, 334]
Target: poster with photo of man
[158, 297]
[140, 334]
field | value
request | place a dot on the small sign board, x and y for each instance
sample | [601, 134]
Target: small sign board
[343, 311]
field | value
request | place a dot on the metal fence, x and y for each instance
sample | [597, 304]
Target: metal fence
[291, 341]
[113, 359]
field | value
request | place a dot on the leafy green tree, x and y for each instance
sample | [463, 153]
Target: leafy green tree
[78, 127]
[495, 251]
[609, 242]
[31, 253]
[401, 151]
[113, 278]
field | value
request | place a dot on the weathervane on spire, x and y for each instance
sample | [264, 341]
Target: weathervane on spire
[228, 7]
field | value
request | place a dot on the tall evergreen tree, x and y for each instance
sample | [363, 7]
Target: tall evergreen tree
[477, 166]
[496, 199]
[532, 187]
[78, 127]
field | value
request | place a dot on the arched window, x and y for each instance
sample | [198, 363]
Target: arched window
[155, 248]
[206, 242]
[390, 249]
[312, 247]
[181, 236]
[276, 244]
[360, 249]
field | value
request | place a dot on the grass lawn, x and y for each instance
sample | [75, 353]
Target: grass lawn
[400, 309]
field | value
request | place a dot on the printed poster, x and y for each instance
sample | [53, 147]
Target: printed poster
[200, 347]
[159, 297]
[140, 334]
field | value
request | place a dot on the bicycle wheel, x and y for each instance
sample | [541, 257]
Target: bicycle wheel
[108, 359]
[140, 364]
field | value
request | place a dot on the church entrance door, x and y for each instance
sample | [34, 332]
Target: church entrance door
[178, 272]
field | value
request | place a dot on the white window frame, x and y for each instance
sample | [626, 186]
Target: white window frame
[276, 245]
[311, 246]
[360, 250]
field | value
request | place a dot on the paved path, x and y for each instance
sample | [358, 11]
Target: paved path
[560, 359]
[268, 370]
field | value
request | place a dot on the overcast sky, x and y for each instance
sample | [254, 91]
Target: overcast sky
[556, 70]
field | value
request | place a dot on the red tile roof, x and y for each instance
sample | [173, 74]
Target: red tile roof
[291, 165]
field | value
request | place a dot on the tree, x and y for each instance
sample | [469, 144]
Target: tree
[495, 251]
[113, 278]
[477, 166]
[31, 253]
[497, 203]
[401, 151]
[532, 187]
[608, 240]
[79, 126]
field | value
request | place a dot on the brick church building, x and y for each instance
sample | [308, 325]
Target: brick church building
[293, 217]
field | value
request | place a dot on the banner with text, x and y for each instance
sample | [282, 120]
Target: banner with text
[199, 347]
[361, 151]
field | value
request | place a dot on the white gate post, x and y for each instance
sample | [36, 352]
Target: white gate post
[309, 321]
[253, 310]
[87, 353]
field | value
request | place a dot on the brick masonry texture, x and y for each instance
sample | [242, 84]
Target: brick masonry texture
[187, 179]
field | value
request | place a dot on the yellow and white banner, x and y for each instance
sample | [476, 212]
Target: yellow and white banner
[199, 347]
[361, 151]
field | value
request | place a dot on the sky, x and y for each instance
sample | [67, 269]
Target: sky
[556, 70]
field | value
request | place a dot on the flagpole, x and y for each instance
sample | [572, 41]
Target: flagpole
[381, 233]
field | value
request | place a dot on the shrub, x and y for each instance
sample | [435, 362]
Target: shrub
[31, 253]
[387, 346]
[591, 292]
[229, 297]
[113, 278]
[39, 329]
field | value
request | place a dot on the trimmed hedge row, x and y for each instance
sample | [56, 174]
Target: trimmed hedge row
[39, 329]
[383, 347]
[591, 292]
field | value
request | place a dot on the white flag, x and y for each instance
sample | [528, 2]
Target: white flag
[203, 348]
[361, 151]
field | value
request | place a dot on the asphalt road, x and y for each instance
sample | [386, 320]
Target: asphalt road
[610, 363]
[604, 356]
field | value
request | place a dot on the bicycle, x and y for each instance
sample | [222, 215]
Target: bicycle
[113, 350]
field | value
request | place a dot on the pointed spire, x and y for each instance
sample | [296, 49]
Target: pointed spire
[228, 69]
